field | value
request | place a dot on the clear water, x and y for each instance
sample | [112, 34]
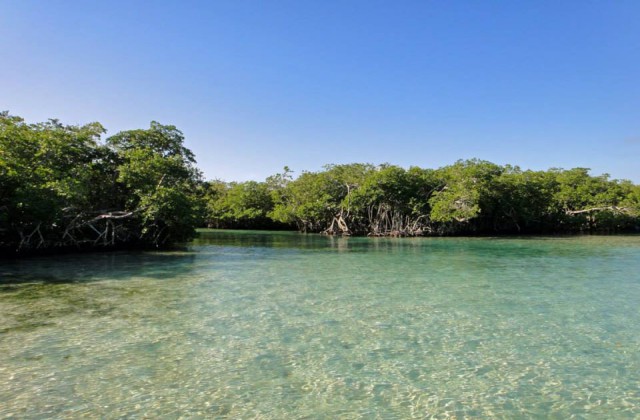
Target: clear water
[281, 325]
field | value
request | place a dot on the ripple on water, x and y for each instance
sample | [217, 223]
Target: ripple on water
[304, 326]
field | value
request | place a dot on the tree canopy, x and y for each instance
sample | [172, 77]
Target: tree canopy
[468, 197]
[62, 186]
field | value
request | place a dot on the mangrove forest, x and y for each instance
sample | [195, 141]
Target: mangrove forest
[67, 187]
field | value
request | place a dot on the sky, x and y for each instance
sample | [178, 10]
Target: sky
[257, 85]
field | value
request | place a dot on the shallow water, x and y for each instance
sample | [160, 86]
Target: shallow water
[282, 325]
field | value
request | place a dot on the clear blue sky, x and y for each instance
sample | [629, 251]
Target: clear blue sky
[256, 85]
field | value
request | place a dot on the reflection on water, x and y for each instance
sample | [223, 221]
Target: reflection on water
[281, 325]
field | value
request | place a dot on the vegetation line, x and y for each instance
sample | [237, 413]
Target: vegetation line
[63, 187]
[466, 198]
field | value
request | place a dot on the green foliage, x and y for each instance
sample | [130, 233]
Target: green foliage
[314, 198]
[632, 198]
[61, 186]
[44, 168]
[391, 199]
[468, 197]
[240, 205]
[309, 201]
[523, 200]
[160, 179]
[466, 201]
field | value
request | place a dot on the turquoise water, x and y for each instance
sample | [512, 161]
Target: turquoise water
[282, 325]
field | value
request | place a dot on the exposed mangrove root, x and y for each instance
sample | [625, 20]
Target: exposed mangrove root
[106, 229]
[338, 227]
[613, 209]
[381, 220]
[28, 241]
[387, 221]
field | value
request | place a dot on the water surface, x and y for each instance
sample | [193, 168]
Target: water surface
[283, 325]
